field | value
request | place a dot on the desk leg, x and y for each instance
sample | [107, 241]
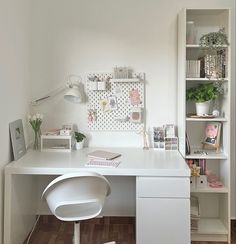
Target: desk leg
[19, 207]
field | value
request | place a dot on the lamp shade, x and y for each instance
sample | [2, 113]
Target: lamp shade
[73, 95]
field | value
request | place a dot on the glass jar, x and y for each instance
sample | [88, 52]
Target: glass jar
[190, 33]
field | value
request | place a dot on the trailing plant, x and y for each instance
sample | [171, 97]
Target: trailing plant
[203, 92]
[79, 136]
[214, 40]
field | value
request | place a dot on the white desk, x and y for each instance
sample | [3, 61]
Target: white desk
[153, 185]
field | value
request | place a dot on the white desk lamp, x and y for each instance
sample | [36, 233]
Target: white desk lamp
[73, 94]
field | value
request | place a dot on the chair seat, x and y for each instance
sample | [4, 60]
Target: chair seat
[77, 196]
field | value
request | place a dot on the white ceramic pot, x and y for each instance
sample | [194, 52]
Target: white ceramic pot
[79, 145]
[203, 108]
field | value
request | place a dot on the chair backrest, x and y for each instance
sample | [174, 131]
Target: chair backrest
[77, 196]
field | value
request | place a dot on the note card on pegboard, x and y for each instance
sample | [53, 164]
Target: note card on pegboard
[116, 104]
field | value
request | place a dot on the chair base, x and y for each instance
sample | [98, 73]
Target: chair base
[76, 233]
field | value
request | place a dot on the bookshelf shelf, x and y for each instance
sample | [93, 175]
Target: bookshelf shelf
[210, 190]
[205, 79]
[219, 119]
[214, 223]
[211, 226]
[210, 155]
[216, 156]
[198, 46]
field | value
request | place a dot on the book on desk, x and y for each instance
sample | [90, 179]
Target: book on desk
[101, 158]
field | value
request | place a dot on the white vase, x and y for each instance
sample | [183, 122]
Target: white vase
[79, 145]
[203, 108]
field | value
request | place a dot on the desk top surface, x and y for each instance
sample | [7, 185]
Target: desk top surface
[134, 162]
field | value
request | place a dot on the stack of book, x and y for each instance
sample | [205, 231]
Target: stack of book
[211, 66]
[101, 158]
[195, 214]
[193, 68]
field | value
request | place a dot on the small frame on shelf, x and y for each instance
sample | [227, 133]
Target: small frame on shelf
[212, 135]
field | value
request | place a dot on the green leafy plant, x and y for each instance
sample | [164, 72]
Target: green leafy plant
[203, 92]
[214, 40]
[79, 136]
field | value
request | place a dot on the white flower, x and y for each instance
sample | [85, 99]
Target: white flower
[34, 117]
[38, 116]
[41, 116]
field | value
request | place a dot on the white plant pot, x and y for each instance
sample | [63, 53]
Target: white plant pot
[79, 145]
[203, 108]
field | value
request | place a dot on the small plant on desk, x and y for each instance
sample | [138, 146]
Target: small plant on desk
[79, 137]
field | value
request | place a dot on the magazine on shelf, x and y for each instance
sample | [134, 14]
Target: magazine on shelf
[188, 148]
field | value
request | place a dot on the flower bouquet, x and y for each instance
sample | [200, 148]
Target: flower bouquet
[36, 121]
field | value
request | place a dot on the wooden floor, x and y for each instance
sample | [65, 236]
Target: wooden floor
[49, 230]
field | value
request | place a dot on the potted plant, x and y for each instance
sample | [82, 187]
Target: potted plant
[214, 40]
[79, 137]
[203, 94]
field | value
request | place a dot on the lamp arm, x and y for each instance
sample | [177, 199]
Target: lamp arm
[71, 82]
[48, 95]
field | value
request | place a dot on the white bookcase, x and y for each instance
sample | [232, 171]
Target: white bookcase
[214, 223]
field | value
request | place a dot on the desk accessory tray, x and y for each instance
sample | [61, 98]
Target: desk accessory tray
[56, 143]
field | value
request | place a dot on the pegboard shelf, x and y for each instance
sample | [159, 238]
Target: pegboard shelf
[121, 107]
[126, 80]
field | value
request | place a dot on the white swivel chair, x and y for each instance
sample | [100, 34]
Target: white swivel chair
[76, 197]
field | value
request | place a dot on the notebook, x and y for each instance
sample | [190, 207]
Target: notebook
[103, 163]
[99, 154]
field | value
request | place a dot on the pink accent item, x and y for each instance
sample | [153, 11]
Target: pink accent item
[213, 181]
[134, 97]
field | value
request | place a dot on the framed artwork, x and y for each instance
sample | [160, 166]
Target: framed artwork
[169, 130]
[113, 102]
[105, 105]
[212, 135]
[17, 139]
[118, 91]
[134, 97]
[159, 138]
[136, 115]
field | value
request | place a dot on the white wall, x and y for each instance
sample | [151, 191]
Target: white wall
[14, 76]
[77, 37]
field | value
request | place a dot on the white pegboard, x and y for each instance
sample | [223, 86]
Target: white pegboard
[106, 120]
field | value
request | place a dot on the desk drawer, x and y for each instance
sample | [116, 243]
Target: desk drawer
[171, 187]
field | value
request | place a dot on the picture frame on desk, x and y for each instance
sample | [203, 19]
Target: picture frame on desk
[159, 138]
[17, 139]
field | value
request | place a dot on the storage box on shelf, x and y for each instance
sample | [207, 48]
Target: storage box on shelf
[56, 143]
[214, 223]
